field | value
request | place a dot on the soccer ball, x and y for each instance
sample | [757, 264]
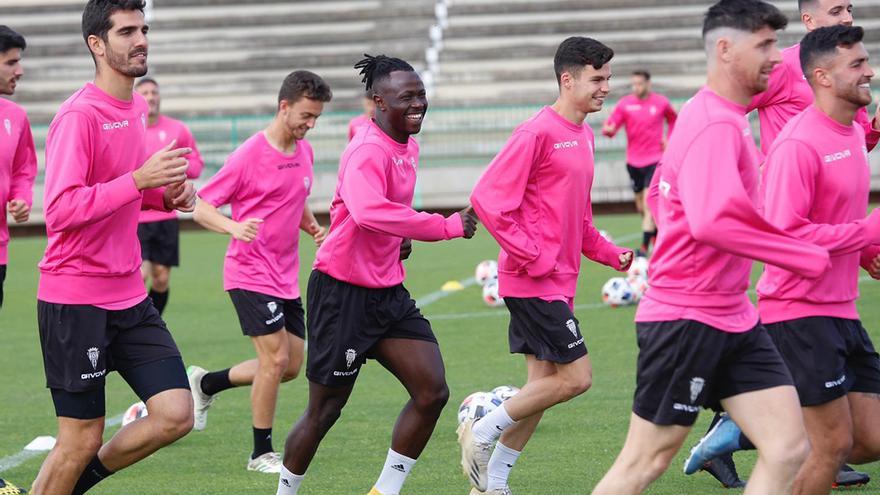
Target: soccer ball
[607, 236]
[490, 295]
[477, 405]
[617, 292]
[639, 286]
[505, 392]
[486, 271]
[638, 268]
[134, 412]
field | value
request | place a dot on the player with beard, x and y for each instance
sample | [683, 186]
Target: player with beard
[93, 310]
[701, 343]
[358, 307]
[159, 232]
[18, 160]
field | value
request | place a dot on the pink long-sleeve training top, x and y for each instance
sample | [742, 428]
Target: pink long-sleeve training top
[93, 256]
[18, 165]
[704, 200]
[371, 212]
[788, 94]
[816, 182]
[643, 120]
[158, 136]
[534, 198]
[259, 181]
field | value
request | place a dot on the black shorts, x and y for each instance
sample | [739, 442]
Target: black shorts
[685, 365]
[346, 321]
[827, 357]
[545, 329]
[160, 242]
[640, 177]
[81, 344]
[261, 314]
[2, 279]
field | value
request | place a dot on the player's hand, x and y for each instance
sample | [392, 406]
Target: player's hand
[246, 231]
[608, 129]
[317, 232]
[165, 167]
[468, 221]
[19, 210]
[180, 196]
[874, 268]
[625, 259]
[405, 249]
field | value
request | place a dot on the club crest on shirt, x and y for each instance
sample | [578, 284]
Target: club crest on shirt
[162, 135]
[307, 183]
[653, 110]
[8, 125]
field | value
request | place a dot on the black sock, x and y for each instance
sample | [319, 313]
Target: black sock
[654, 236]
[160, 299]
[216, 382]
[646, 240]
[262, 441]
[745, 443]
[93, 474]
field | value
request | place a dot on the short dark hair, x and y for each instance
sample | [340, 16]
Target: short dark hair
[743, 15]
[96, 15]
[374, 69]
[824, 41]
[10, 39]
[304, 84]
[803, 4]
[577, 52]
[146, 80]
[645, 74]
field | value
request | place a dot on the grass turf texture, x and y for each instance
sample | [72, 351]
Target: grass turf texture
[574, 446]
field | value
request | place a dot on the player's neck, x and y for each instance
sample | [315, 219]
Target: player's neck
[279, 137]
[726, 86]
[152, 120]
[644, 96]
[569, 111]
[840, 111]
[114, 84]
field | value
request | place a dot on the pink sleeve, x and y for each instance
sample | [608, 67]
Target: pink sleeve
[363, 187]
[196, 163]
[654, 191]
[671, 117]
[872, 135]
[615, 120]
[70, 202]
[868, 255]
[790, 179]
[596, 247]
[720, 213]
[777, 89]
[24, 167]
[225, 184]
[498, 196]
[351, 129]
[154, 199]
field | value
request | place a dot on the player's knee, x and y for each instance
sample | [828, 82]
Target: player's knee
[788, 453]
[575, 386]
[80, 449]
[175, 422]
[292, 371]
[864, 450]
[433, 399]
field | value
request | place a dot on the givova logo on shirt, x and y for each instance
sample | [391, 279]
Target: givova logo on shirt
[109, 126]
[566, 144]
[840, 155]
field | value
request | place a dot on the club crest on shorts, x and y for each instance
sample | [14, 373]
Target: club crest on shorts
[697, 384]
[572, 327]
[272, 305]
[93, 354]
[350, 355]
[8, 125]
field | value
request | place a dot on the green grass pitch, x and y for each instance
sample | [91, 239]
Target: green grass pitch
[574, 446]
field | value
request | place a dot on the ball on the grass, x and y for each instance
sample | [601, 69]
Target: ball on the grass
[134, 412]
[491, 296]
[638, 268]
[505, 392]
[486, 271]
[617, 292]
[477, 405]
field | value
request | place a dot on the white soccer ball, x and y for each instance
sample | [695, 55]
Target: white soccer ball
[607, 236]
[477, 405]
[618, 292]
[638, 268]
[639, 286]
[505, 392]
[486, 271]
[134, 412]
[491, 296]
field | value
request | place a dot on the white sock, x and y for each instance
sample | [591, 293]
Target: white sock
[288, 483]
[502, 461]
[490, 426]
[397, 468]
